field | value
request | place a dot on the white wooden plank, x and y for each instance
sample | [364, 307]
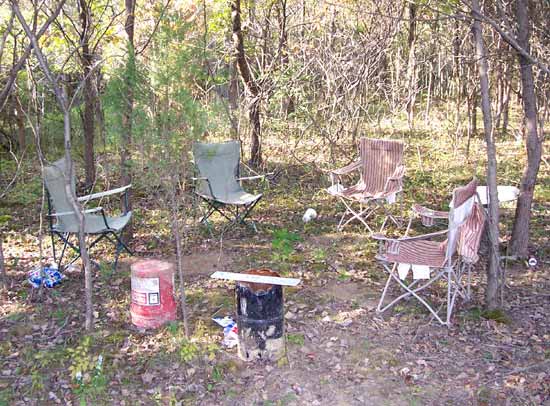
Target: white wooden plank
[243, 277]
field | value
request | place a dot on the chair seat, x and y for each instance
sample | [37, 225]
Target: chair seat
[240, 198]
[358, 192]
[95, 225]
[417, 252]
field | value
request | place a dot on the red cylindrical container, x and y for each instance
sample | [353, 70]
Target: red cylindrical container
[153, 301]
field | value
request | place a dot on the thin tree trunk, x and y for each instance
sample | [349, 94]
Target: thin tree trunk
[493, 266]
[250, 84]
[507, 91]
[179, 249]
[411, 66]
[12, 75]
[520, 233]
[3, 279]
[128, 108]
[61, 97]
[20, 120]
[88, 122]
[287, 103]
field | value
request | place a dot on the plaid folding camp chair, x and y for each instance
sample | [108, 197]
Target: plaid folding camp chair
[431, 261]
[218, 182]
[381, 181]
[66, 223]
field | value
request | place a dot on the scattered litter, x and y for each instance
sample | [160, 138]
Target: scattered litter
[532, 262]
[52, 277]
[230, 332]
[309, 215]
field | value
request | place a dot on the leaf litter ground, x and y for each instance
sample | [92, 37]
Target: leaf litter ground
[340, 351]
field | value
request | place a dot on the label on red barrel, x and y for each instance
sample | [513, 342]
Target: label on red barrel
[146, 291]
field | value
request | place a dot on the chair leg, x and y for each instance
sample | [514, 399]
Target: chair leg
[361, 216]
[117, 254]
[236, 216]
[122, 245]
[52, 235]
[410, 292]
[66, 243]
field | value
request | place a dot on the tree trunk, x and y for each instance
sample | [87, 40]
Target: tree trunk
[179, 249]
[520, 233]
[61, 97]
[250, 84]
[88, 122]
[507, 90]
[128, 108]
[493, 266]
[287, 103]
[411, 66]
[3, 279]
[20, 120]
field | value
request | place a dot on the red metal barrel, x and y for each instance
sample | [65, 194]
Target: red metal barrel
[153, 301]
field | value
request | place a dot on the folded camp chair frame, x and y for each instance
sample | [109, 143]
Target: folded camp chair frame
[452, 275]
[366, 208]
[235, 215]
[362, 207]
[223, 192]
[455, 272]
[110, 234]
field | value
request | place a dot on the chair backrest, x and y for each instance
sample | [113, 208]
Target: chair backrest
[466, 222]
[379, 158]
[219, 163]
[54, 180]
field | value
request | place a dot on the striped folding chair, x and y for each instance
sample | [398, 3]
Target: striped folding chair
[381, 170]
[430, 261]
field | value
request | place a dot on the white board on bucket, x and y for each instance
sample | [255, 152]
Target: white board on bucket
[244, 277]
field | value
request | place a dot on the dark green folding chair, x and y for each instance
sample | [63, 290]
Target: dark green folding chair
[218, 182]
[63, 221]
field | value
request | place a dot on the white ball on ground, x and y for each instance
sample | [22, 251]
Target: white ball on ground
[309, 215]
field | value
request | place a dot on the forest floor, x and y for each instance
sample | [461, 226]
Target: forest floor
[339, 350]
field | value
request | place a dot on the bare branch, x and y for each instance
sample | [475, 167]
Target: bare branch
[21, 62]
[509, 38]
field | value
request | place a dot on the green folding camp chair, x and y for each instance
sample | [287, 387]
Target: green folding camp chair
[63, 221]
[219, 183]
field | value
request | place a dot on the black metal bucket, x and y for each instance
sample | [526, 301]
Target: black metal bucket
[260, 319]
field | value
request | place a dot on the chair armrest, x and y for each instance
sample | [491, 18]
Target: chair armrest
[95, 209]
[398, 173]
[394, 183]
[104, 194]
[346, 169]
[381, 237]
[66, 213]
[427, 212]
[203, 179]
[424, 236]
[255, 177]
[391, 245]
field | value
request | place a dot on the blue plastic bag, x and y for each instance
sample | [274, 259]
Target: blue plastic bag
[52, 277]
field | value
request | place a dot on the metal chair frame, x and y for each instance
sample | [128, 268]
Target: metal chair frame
[110, 234]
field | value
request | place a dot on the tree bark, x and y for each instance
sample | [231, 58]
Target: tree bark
[250, 84]
[3, 279]
[128, 108]
[88, 122]
[20, 120]
[61, 97]
[520, 233]
[411, 66]
[493, 266]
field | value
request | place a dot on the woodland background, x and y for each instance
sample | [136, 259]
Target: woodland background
[132, 84]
